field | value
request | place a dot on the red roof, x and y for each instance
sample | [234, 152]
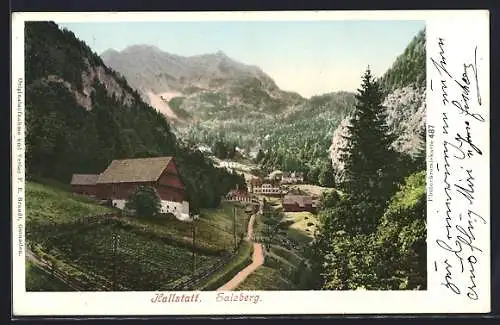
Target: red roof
[301, 200]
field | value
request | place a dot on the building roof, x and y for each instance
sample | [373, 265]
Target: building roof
[84, 179]
[276, 173]
[300, 200]
[134, 170]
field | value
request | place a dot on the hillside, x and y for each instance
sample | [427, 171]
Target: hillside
[404, 88]
[80, 115]
[205, 86]
[61, 230]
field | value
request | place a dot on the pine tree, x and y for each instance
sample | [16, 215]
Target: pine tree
[367, 155]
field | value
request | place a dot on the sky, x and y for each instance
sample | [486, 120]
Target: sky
[309, 57]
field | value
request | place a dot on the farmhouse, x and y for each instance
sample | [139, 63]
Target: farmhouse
[84, 184]
[122, 177]
[298, 203]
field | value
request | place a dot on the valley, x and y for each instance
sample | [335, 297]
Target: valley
[150, 171]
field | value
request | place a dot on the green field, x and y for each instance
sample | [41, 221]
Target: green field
[266, 278]
[152, 254]
[287, 255]
[47, 203]
[39, 280]
[303, 227]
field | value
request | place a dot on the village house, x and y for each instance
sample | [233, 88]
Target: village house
[265, 187]
[84, 184]
[292, 178]
[120, 179]
[299, 203]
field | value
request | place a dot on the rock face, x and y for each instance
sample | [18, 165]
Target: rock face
[91, 75]
[339, 142]
[404, 86]
[405, 116]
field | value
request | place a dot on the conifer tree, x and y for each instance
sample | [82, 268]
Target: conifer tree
[367, 155]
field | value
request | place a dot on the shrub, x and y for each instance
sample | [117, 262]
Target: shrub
[144, 201]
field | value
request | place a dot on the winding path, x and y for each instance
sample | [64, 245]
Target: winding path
[257, 261]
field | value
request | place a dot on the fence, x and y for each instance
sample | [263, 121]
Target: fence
[190, 283]
[70, 280]
[197, 278]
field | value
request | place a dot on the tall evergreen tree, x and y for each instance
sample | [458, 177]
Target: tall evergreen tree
[367, 154]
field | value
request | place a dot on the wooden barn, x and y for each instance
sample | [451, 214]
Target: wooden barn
[84, 184]
[299, 203]
[122, 177]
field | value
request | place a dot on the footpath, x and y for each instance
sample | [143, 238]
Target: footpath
[257, 260]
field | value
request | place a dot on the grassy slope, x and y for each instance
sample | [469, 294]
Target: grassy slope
[242, 259]
[214, 229]
[46, 203]
[266, 278]
[301, 230]
[39, 280]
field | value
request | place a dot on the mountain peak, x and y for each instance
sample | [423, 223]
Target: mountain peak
[221, 54]
[108, 53]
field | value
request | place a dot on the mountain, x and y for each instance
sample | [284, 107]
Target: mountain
[212, 98]
[404, 88]
[80, 115]
[200, 87]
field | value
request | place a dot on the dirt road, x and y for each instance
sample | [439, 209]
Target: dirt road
[257, 261]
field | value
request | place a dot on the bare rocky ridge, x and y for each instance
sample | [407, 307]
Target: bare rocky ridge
[89, 76]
